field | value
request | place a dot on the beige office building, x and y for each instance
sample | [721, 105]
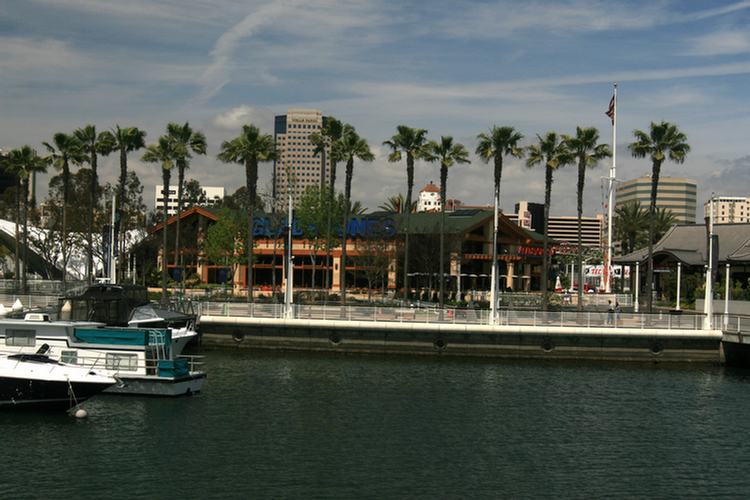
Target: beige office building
[299, 166]
[728, 210]
[673, 193]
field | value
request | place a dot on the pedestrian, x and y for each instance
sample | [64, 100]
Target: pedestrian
[610, 312]
[618, 310]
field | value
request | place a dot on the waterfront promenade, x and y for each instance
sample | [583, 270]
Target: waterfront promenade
[465, 332]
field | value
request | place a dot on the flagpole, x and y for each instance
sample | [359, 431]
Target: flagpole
[612, 174]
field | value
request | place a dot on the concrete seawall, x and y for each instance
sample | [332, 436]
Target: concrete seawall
[555, 342]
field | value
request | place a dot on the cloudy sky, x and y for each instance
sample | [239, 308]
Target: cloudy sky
[451, 67]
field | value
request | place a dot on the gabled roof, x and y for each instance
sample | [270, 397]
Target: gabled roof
[688, 243]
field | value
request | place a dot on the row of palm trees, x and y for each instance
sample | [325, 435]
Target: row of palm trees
[84, 145]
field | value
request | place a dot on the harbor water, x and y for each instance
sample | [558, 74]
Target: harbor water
[285, 425]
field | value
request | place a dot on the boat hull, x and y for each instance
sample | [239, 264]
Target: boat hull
[159, 386]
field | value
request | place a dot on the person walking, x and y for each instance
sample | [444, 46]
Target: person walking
[610, 312]
[618, 310]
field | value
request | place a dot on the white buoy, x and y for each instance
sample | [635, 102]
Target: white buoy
[17, 306]
[80, 413]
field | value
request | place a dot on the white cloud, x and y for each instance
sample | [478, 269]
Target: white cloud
[723, 42]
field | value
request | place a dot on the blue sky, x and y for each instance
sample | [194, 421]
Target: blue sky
[451, 67]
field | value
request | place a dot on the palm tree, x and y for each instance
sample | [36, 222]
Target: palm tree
[587, 153]
[64, 150]
[553, 153]
[500, 142]
[663, 222]
[126, 140]
[93, 145]
[448, 154]
[328, 140]
[247, 149]
[631, 224]
[664, 141]
[191, 141]
[412, 142]
[397, 204]
[165, 152]
[23, 163]
[351, 146]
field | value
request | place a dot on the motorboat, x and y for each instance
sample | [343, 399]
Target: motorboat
[39, 382]
[128, 305]
[141, 358]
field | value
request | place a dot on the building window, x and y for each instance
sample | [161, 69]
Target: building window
[70, 357]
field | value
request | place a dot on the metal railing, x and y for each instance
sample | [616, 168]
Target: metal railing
[506, 317]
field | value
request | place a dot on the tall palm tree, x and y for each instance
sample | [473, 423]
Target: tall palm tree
[64, 150]
[663, 141]
[247, 149]
[397, 204]
[663, 222]
[328, 141]
[94, 145]
[631, 225]
[126, 140]
[192, 142]
[412, 142]
[587, 153]
[500, 142]
[165, 153]
[350, 147]
[448, 154]
[553, 153]
[23, 163]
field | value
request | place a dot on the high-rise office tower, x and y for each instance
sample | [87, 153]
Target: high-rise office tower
[673, 193]
[299, 166]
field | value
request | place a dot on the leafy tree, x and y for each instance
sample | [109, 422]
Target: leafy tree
[412, 142]
[189, 141]
[225, 239]
[312, 217]
[351, 147]
[64, 150]
[587, 153]
[553, 153]
[93, 145]
[194, 194]
[328, 141]
[248, 149]
[663, 141]
[165, 153]
[500, 142]
[374, 258]
[23, 163]
[448, 154]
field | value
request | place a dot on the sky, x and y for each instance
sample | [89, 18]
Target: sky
[455, 68]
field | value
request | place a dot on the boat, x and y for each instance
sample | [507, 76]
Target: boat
[141, 358]
[38, 382]
[128, 305]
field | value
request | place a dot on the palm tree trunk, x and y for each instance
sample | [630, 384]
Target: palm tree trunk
[443, 189]
[17, 209]
[581, 180]
[165, 177]
[25, 194]
[547, 198]
[66, 181]
[344, 229]
[251, 174]
[92, 196]
[652, 212]
[331, 195]
[407, 208]
[180, 180]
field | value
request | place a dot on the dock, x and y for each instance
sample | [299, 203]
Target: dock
[467, 333]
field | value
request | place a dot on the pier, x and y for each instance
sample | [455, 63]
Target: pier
[588, 335]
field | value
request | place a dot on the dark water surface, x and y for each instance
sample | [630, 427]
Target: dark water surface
[299, 426]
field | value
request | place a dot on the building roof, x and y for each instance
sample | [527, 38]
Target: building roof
[688, 244]
[431, 188]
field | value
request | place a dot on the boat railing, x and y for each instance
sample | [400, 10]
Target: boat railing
[129, 365]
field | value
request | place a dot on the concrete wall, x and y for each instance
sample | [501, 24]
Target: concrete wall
[463, 340]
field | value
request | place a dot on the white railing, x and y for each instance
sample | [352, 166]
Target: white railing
[507, 317]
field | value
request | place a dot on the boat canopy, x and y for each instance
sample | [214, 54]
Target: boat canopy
[123, 336]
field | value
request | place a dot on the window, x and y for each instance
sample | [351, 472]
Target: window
[70, 357]
[124, 362]
[20, 338]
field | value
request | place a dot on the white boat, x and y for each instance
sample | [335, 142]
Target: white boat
[38, 382]
[142, 358]
[127, 305]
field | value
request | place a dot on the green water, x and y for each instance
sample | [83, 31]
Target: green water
[299, 426]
